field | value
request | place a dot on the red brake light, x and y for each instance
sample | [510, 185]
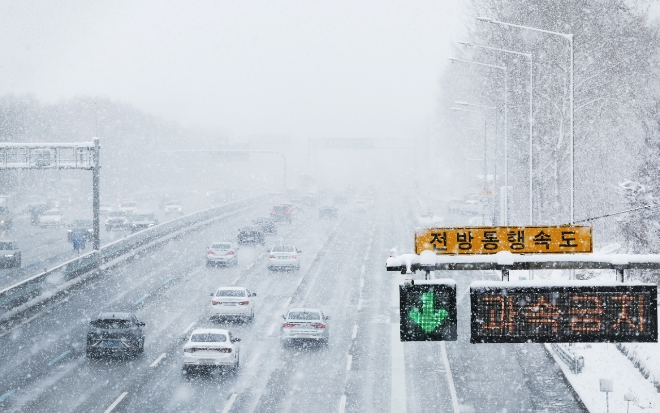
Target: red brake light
[230, 253]
[272, 212]
[210, 252]
[271, 256]
[288, 325]
[288, 212]
[294, 256]
[318, 325]
[244, 303]
[216, 302]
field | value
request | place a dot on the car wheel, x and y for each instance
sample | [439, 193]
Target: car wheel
[17, 263]
[325, 341]
[209, 264]
[90, 353]
[238, 362]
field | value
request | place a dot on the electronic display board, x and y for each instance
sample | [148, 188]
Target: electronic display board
[518, 240]
[618, 313]
[428, 311]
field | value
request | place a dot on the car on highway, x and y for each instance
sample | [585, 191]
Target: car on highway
[105, 209]
[36, 211]
[116, 220]
[115, 333]
[10, 254]
[86, 226]
[211, 348]
[221, 253]
[250, 235]
[6, 218]
[33, 201]
[267, 225]
[232, 302]
[328, 212]
[51, 218]
[304, 324]
[281, 212]
[173, 208]
[128, 207]
[361, 205]
[140, 220]
[284, 257]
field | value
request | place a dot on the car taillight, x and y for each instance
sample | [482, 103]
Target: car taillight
[216, 302]
[244, 303]
[272, 212]
[318, 325]
[210, 252]
[288, 325]
[294, 256]
[230, 253]
[288, 212]
[189, 350]
[271, 256]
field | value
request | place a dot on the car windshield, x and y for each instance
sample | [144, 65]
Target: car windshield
[283, 249]
[281, 208]
[231, 293]
[144, 217]
[112, 323]
[52, 212]
[221, 246]
[6, 246]
[208, 338]
[129, 205]
[117, 214]
[304, 315]
[173, 203]
[81, 223]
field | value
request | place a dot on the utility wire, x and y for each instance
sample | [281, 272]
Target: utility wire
[619, 213]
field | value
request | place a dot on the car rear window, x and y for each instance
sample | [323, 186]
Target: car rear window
[208, 338]
[144, 217]
[281, 208]
[81, 223]
[283, 249]
[304, 315]
[6, 246]
[117, 214]
[230, 293]
[223, 246]
[112, 323]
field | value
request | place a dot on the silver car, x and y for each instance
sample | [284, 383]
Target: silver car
[304, 324]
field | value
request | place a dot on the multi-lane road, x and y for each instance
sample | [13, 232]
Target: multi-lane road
[363, 369]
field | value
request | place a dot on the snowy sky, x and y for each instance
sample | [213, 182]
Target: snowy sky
[364, 68]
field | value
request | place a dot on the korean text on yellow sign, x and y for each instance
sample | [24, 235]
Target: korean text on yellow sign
[490, 240]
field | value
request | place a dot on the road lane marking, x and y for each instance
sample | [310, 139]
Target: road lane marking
[361, 282]
[141, 299]
[359, 304]
[272, 329]
[354, 332]
[349, 362]
[236, 280]
[288, 302]
[362, 271]
[450, 379]
[254, 360]
[58, 358]
[6, 395]
[157, 361]
[398, 372]
[230, 402]
[189, 327]
[116, 402]
[342, 404]
[169, 279]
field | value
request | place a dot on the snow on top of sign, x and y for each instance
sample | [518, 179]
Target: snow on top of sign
[443, 281]
[489, 284]
[47, 145]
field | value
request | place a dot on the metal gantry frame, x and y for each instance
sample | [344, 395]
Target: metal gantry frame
[79, 155]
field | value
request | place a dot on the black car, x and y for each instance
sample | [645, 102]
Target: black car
[266, 225]
[80, 225]
[115, 333]
[281, 212]
[328, 212]
[250, 235]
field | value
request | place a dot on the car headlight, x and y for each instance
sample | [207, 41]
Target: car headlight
[151, 225]
[69, 231]
[178, 209]
[9, 255]
[107, 221]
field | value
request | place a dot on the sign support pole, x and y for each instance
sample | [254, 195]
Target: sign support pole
[505, 274]
[95, 196]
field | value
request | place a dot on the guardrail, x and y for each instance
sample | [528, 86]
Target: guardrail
[51, 280]
[568, 356]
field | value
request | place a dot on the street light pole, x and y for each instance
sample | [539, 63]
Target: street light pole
[570, 38]
[531, 115]
[506, 134]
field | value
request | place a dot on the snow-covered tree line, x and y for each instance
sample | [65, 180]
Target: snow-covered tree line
[616, 106]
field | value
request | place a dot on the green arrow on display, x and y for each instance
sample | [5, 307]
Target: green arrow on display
[428, 319]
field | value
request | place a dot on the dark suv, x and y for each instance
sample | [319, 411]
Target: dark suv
[281, 212]
[250, 235]
[115, 334]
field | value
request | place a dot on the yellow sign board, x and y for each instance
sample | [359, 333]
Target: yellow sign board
[518, 240]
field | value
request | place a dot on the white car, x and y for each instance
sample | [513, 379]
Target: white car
[221, 253]
[173, 208]
[128, 207]
[51, 218]
[361, 206]
[308, 324]
[209, 348]
[232, 302]
[284, 257]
